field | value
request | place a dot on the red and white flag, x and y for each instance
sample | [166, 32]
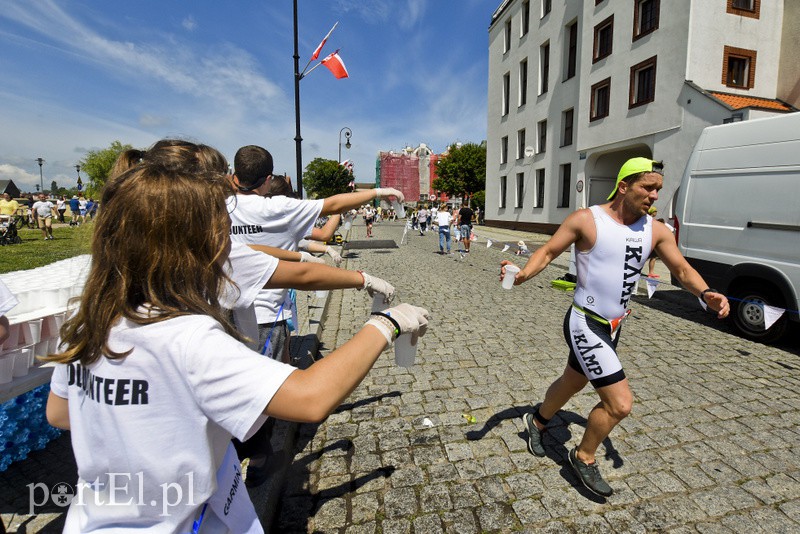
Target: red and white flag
[335, 65]
[315, 55]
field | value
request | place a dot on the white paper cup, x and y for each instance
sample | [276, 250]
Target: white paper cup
[321, 293]
[6, 367]
[379, 302]
[33, 331]
[399, 209]
[21, 361]
[13, 337]
[511, 273]
[404, 351]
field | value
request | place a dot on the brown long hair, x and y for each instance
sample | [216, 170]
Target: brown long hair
[159, 242]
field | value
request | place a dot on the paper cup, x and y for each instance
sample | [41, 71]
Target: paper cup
[321, 293]
[13, 337]
[404, 351]
[399, 209]
[33, 331]
[6, 367]
[379, 303]
[21, 361]
[511, 273]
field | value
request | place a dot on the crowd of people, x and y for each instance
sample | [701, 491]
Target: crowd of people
[188, 336]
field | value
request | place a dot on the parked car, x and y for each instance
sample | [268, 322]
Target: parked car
[737, 219]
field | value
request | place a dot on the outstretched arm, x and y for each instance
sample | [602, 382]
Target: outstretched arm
[275, 252]
[346, 201]
[325, 233]
[686, 274]
[570, 231]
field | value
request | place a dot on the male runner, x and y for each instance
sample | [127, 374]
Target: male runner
[613, 242]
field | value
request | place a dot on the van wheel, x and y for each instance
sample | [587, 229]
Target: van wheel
[747, 313]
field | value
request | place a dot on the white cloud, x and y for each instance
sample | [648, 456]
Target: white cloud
[189, 23]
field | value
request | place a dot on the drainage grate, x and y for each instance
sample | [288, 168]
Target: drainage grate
[370, 243]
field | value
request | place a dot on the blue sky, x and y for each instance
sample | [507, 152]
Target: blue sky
[77, 75]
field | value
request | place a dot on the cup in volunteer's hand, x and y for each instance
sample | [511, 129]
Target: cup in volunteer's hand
[510, 275]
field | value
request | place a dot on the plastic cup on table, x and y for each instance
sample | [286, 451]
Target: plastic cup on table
[33, 331]
[511, 273]
[405, 352]
[7, 367]
[13, 337]
[21, 361]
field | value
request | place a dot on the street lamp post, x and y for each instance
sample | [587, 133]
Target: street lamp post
[40, 161]
[347, 133]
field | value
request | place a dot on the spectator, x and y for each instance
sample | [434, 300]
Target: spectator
[43, 211]
[61, 207]
[444, 220]
[74, 208]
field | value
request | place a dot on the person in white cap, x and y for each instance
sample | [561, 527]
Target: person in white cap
[613, 242]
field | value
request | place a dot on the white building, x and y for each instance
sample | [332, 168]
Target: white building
[578, 87]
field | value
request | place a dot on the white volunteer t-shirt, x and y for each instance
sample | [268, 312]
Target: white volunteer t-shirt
[7, 299]
[160, 418]
[278, 222]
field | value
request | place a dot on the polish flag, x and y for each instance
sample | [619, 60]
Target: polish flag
[315, 55]
[335, 65]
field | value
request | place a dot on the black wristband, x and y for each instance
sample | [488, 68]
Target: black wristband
[707, 290]
[395, 323]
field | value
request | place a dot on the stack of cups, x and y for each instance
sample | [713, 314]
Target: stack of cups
[7, 367]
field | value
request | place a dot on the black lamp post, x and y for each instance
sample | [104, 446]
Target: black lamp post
[40, 161]
[347, 133]
[80, 184]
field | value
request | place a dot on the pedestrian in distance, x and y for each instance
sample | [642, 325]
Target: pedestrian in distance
[443, 221]
[74, 208]
[61, 207]
[465, 215]
[44, 210]
[613, 242]
[422, 218]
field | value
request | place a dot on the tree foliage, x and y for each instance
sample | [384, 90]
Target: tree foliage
[463, 171]
[325, 177]
[97, 165]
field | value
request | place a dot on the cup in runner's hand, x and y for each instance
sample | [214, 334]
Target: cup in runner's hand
[511, 273]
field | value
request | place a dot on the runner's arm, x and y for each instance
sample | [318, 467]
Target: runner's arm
[688, 277]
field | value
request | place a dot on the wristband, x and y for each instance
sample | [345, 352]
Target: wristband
[391, 319]
[707, 290]
[363, 279]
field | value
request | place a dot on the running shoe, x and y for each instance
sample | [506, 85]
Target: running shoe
[535, 446]
[589, 475]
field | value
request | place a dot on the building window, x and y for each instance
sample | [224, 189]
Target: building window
[547, 6]
[507, 37]
[739, 67]
[563, 198]
[521, 143]
[506, 93]
[504, 150]
[544, 67]
[539, 198]
[502, 192]
[525, 23]
[643, 83]
[572, 51]
[745, 8]
[645, 17]
[567, 119]
[520, 190]
[523, 82]
[542, 131]
[603, 39]
[601, 98]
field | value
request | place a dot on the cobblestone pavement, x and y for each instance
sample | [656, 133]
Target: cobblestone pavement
[711, 445]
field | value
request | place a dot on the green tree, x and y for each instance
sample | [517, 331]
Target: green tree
[478, 200]
[97, 165]
[463, 171]
[53, 188]
[325, 177]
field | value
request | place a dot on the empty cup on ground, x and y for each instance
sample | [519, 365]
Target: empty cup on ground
[405, 353]
[6, 367]
[511, 273]
[321, 293]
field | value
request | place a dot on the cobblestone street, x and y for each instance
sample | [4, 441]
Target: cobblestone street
[711, 445]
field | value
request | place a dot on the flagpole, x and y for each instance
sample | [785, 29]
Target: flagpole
[297, 138]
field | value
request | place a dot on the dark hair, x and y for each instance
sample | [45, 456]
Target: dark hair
[280, 186]
[252, 165]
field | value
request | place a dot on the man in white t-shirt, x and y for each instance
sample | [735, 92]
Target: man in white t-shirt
[443, 221]
[44, 211]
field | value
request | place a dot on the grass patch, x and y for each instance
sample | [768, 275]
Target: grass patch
[34, 251]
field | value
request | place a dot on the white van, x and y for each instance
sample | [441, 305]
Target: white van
[737, 218]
